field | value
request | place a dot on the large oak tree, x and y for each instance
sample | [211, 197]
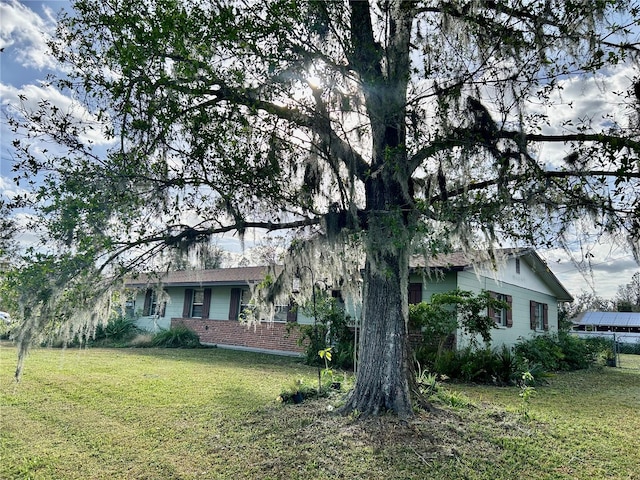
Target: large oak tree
[398, 126]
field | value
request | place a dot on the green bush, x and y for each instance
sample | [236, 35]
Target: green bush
[497, 366]
[331, 330]
[543, 350]
[5, 332]
[177, 337]
[507, 365]
[118, 330]
[438, 320]
[297, 391]
[538, 356]
[563, 351]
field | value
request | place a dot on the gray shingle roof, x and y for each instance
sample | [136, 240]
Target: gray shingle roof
[219, 276]
[461, 259]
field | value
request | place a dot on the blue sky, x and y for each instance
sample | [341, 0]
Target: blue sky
[24, 65]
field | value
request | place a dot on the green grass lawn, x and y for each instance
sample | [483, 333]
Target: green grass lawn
[213, 414]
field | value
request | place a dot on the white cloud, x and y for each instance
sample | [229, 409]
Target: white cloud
[584, 98]
[599, 267]
[30, 96]
[24, 34]
[9, 189]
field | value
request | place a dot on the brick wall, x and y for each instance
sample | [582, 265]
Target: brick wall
[266, 336]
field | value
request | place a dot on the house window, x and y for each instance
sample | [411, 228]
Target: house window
[196, 303]
[502, 316]
[151, 306]
[241, 303]
[539, 316]
[130, 308]
[245, 301]
[281, 313]
[240, 298]
[517, 265]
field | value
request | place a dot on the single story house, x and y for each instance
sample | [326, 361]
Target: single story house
[623, 326]
[210, 301]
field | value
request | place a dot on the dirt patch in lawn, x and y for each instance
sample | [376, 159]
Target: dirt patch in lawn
[343, 447]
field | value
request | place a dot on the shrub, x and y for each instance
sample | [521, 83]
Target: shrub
[438, 320]
[497, 367]
[119, 329]
[177, 337]
[543, 350]
[477, 365]
[448, 363]
[296, 391]
[5, 332]
[332, 330]
[562, 351]
[580, 353]
[506, 365]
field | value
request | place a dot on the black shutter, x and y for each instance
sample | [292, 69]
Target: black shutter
[163, 309]
[234, 306]
[415, 293]
[510, 311]
[188, 298]
[147, 303]
[206, 302]
[292, 312]
[532, 314]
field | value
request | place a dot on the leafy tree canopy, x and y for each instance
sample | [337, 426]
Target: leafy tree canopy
[628, 295]
[392, 126]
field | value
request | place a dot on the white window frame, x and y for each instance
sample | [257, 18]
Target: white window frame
[197, 304]
[500, 314]
[539, 314]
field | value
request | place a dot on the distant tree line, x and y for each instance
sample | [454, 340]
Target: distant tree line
[627, 299]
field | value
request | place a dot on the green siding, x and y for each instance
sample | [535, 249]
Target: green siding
[467, 280]
[434, 283]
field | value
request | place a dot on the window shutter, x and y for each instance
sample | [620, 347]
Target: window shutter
[491, 313]
[188, 297]
[532, 314]
[415, 293]
[206, 302]
[234, 306]
[510, 311]
[147, 302]
[292, 312]
[545, 316]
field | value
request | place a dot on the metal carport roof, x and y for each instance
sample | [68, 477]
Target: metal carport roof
[609, 319]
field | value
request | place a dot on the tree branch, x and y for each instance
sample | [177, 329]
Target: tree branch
[547, 174]
[471, 136]
[193, 235]
[352, 160]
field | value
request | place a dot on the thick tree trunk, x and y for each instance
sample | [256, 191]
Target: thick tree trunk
[384, 375]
